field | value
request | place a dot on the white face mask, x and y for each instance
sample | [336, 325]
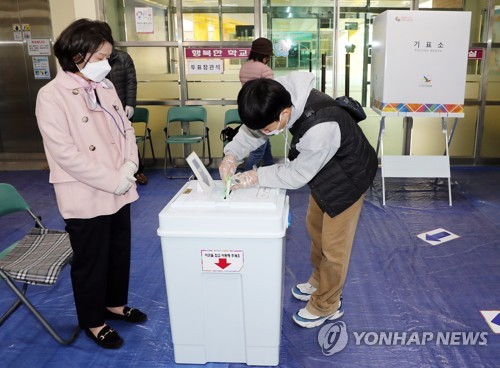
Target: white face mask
[96, 71]
[277, 130]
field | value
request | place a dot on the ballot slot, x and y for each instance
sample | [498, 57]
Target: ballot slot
[206, 192]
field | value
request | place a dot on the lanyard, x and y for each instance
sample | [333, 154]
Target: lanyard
[114, 120]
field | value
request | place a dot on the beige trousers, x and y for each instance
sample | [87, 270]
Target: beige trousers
[331, 244]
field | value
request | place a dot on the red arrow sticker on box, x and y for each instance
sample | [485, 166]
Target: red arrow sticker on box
[222, 260]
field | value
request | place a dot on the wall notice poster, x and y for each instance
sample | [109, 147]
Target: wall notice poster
[41, 67]
[16, 31]
[144, 20]
[38, 46]
[419, 63]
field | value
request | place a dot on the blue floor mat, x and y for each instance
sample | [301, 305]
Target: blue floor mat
[407, 302]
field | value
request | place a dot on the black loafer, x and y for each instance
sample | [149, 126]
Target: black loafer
[107, 338]
[131, 315]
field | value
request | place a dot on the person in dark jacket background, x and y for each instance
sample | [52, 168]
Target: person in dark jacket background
[330, 153]
[124, 78]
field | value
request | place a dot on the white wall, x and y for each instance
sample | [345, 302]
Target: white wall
[63, 12]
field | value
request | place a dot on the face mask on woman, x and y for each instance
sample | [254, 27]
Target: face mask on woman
[96, 71]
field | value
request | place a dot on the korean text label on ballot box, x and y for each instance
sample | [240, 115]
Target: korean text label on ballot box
[223, 260]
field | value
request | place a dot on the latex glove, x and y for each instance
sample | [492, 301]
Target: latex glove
[127, 178]
[245, 179]
[129, 111]
[227, 167]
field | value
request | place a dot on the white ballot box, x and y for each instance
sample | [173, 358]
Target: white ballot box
[223, 260]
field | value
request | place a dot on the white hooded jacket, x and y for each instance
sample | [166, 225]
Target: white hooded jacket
[316, 147]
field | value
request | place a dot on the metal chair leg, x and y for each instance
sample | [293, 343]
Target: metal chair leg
[208, 144]
[172, 163]
[13, 307]
[22, 298]
[151, 145]
[143, 157]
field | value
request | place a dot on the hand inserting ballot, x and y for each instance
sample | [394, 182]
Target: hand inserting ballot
[245, 179]
[227, 167]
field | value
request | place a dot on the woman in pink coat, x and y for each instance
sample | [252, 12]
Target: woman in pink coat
[92, 155]
[254, 68]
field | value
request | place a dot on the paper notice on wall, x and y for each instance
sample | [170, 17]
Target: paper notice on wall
[38, 46]
[144, 20]
[26, 30]
[17, 32]
[41, 67]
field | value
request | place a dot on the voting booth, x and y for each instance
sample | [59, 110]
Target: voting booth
[419, 65]
[223, 255]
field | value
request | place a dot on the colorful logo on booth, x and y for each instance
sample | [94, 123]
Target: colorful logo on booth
[403, 18]
[426, 81]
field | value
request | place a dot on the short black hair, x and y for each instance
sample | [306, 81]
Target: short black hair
[80, 38]
[260, 102]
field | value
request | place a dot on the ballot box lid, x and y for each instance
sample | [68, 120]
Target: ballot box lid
[252, 212]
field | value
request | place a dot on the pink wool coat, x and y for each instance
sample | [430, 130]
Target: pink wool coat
[85, 149]
[252, 69]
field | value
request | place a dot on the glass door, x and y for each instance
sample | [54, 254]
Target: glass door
[330, 38]
[296, 43]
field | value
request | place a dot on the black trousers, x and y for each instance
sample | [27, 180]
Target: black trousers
[101, 264]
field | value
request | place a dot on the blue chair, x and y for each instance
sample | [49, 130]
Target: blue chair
[187, 118]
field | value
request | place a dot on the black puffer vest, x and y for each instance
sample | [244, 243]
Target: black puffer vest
[350, 172]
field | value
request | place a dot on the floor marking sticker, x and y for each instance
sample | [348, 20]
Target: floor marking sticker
[492, 318]
[437, 236]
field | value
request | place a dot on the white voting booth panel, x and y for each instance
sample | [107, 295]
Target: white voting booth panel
[223, 262]
[419, 64]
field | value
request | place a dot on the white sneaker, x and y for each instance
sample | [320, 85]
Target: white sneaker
[303, 291]
[308, 320]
